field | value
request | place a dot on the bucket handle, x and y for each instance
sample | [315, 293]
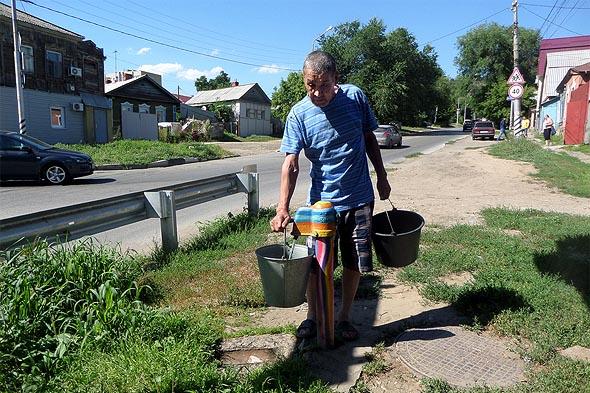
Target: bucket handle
[393, 208]
[286, 244]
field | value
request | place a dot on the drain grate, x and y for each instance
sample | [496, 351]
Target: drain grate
[460, 357]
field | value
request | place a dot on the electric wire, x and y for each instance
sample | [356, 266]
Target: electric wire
[545, 20]
[552, 22]
[184, 43]
[547, 6]
[466, 27]
[563, 21]
[542, 17]
[162, 43]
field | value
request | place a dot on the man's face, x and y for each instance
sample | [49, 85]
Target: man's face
[321, 88]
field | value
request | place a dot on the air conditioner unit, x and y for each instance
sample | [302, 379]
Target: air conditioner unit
[75, 71]
[77, 106]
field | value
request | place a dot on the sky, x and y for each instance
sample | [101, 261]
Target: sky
[264, 40]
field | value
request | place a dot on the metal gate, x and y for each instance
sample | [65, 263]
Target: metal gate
[577, 115]
[100, 126]
[139, 125]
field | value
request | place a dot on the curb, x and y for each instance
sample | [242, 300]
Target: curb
[155, 164]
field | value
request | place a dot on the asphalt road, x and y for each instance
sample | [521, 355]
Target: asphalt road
[23, 198]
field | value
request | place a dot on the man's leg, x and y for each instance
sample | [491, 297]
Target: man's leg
[350, 284]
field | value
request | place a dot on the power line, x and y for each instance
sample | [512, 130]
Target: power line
[161, 43]
[563, 7]
[542, 17]
[565, 17]
[552, 22]
[547, 18]
[184, 43]
[466, 27]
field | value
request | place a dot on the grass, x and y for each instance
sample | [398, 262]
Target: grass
[580, 148]
[560, 170]
[413, 155]
[134, 152]
[531, 282]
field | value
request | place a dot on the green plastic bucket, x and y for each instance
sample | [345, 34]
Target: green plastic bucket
[284, 276]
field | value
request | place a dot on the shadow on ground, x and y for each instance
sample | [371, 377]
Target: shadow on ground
[571, 262]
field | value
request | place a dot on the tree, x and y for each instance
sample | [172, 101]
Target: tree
[485, 62]
[219, 82]
[398, 78]
[289, 92]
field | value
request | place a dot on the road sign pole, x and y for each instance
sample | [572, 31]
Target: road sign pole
[516, 119]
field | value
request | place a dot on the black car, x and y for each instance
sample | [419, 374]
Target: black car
[26, 158]
[468, 125]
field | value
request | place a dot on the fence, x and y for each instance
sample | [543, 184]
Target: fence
[75, 221]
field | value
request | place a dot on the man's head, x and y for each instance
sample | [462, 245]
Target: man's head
[319, 77]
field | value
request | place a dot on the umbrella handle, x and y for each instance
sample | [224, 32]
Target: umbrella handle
[388, 218]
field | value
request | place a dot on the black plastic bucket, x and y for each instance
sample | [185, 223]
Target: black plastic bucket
[399, 248]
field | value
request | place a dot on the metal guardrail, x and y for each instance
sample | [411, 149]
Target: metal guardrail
[75, 221]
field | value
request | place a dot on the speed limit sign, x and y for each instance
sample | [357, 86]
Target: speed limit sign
[515, 91]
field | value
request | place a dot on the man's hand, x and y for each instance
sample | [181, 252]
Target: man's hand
[280, 220]
[383, 188]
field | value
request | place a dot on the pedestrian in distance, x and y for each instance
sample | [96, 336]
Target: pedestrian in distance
[333, 125]
[526, 123]
[548, 129]
[502, 130]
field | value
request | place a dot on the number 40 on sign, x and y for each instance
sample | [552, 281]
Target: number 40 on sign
[516, 91]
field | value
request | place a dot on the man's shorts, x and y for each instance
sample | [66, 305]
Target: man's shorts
[353, 236]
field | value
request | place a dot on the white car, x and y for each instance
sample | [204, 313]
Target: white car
[388, 136]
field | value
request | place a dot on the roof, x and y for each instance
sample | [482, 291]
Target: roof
[182, 98]
[560, 45]
[558, 65]
[581, 69]
[111, 88]
[233, 93]
[21, 16]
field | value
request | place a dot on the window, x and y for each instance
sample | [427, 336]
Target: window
[161, 113]
[144, 108]
[7, 143]
[57, 116]
[28, 59]
[53, 64]
[261, 114]
[126, 107]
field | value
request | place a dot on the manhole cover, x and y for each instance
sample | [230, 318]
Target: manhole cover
[460, 357]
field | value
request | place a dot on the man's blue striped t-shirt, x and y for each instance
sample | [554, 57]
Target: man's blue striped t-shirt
[333, 139]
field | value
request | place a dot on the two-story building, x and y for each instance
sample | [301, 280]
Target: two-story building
[63, 82]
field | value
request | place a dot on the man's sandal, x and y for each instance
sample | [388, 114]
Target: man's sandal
[306, 329]
[346, 331]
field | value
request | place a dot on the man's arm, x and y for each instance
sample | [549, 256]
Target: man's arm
[372, 147]
[289, 172]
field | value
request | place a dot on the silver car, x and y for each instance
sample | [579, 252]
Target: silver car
[388, 136]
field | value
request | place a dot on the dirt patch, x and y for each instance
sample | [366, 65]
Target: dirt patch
[250, 148]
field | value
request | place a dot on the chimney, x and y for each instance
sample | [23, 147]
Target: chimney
[235, 83]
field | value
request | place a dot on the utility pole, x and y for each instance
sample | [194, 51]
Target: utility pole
[22, 122]
[458, 110]
[117, 76]
[515, 103]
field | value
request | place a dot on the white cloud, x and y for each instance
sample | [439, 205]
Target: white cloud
[192, 73]
[268, 69]
[214, 52]
[162, 68]
[143, 51]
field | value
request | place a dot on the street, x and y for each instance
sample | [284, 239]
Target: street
[23, 198]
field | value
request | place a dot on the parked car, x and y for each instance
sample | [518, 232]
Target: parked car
[23, 157]
[483, 129]
[468, 125]
[388, 136]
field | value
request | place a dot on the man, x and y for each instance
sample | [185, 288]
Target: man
[502, 130]
[333, 125]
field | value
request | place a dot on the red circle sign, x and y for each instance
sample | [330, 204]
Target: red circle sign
[515, 91]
